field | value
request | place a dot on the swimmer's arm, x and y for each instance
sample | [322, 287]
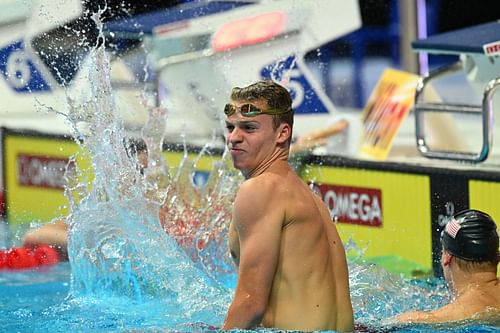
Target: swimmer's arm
[258, 221]
[415, 317]
[55, 234]
[234, 244]
[447, 313]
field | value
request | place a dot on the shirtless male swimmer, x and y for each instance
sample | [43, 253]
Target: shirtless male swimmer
[469, 261]
[292, 269]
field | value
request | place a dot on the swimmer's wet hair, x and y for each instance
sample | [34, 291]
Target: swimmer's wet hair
[134, 146]
[275, 95]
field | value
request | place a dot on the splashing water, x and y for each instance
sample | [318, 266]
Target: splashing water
[155, 237]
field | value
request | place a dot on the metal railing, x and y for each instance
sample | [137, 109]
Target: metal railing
[485, 110]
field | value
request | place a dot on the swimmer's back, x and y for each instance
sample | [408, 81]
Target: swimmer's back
[310, 290]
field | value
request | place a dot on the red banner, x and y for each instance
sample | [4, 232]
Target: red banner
[41, 171]
[353, 205]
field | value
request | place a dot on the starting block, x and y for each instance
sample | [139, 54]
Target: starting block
[478, 48]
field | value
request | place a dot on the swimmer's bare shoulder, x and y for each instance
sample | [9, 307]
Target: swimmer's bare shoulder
[261, 186]
[261, 197]
[266, 185]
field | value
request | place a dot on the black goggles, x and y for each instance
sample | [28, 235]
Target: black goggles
[249, 110]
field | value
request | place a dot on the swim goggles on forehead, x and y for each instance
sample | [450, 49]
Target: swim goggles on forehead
[249, 110]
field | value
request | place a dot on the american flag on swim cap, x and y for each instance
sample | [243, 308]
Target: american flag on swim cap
[452, 228]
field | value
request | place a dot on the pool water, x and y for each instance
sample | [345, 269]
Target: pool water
[40, 301]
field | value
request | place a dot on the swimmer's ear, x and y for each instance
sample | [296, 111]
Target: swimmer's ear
[284, 132]
[446, 258]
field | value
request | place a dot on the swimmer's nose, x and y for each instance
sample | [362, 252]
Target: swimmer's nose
[234, 137]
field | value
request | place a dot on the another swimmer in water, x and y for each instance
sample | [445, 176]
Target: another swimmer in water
[469, 260]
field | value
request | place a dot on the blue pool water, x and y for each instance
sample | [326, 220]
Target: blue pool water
[39, 301]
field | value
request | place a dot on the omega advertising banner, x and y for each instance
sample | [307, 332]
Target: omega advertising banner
[380, 212]
[34, 173]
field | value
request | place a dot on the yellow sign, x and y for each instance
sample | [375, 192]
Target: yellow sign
[34, 170]
[386, 214]
[483, 195]
[35, 166]
[387, 107]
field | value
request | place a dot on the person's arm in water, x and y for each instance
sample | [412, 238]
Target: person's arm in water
[258, 220]
[449, 313]
[54, 234]
[415, 317]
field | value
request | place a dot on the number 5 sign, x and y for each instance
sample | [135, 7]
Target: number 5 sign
[19, 71]
[307, 97]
